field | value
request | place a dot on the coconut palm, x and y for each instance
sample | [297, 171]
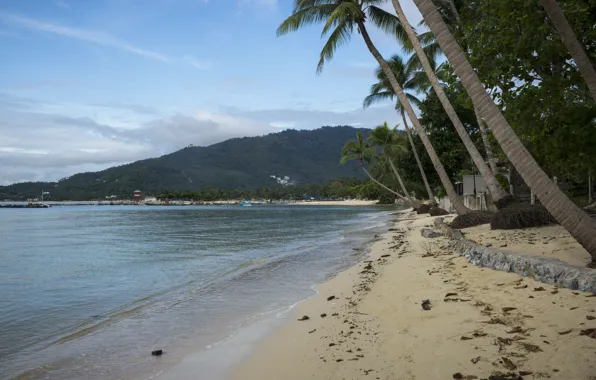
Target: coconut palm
[386, 138]
[575, 220]
[499, 196]
[341, 17]
[363, 152]
[382, 91]
[573, 45]
[450, 14]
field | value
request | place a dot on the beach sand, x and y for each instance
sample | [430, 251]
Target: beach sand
[481, 322]
[353, 202]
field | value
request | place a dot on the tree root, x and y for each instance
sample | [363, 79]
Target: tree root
[423, 209]
[518, 216]
[471, 219]
[437, 211]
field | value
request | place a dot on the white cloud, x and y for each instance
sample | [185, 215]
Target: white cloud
[100, 38]
[42, 142]
[96, 37]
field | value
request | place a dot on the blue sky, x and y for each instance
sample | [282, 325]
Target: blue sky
[85, 85]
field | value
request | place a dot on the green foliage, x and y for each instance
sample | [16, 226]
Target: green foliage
[341, 17]
[308, 156]
[522, 60]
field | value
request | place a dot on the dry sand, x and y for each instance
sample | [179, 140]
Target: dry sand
[353, 202]
[481, 322]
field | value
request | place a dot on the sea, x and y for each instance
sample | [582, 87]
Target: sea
[87, 292]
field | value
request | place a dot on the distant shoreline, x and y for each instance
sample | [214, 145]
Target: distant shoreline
[38, 205]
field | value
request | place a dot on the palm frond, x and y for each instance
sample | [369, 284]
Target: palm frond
[388, 22]
[306, 16]
[377, 97]
[342, 13]
[340, 36]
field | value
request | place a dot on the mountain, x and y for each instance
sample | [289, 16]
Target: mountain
[306, 156]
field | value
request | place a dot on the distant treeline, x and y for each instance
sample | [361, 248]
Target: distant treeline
[340, 188]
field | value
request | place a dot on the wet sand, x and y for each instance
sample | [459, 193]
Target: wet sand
[368, 322]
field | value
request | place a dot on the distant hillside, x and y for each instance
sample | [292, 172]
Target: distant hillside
[306, 156]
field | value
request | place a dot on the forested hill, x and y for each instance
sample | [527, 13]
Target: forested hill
[306, 156]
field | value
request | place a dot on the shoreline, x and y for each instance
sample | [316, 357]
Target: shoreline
[219, 360]
[36, 205]
[481, 322]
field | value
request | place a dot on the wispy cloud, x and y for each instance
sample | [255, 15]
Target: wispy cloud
[99, 38]
[62, 4]
[95, 37]
[197, 63]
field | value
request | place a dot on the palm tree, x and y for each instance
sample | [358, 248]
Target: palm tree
[499, 196]
[386, 138]
[574, 219]
[573, 45]
[343, 16]
[450, 14]
[363, 152]
[382, 91]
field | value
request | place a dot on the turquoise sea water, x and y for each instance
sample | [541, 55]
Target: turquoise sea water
[87, 292]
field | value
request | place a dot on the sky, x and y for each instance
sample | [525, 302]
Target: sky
[86, 85]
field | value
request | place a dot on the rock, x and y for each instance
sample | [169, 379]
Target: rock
[323, 315]
[304, 318]
[429, 233]
[508, 309]
[157, 352]
[590, 317]
[330, 298]
[543, 269]
[426, 304]
[475, 360]
[565, 332]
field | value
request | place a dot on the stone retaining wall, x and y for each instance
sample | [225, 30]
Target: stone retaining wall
[547, 270]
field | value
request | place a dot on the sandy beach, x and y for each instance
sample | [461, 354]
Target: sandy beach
[353, 202]
[368, 321]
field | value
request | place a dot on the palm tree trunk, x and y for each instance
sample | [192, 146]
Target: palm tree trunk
[571, 217]
[445, 180]
[401, 183]
[431, 196]
[489, 151]
[577, 51]
[455, 12]
[380, 184]
[499, 196]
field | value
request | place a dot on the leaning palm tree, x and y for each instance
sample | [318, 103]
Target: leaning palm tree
[500, 197]
[382, 91]
[576, 49]
[363, 152]
[450, 14]
[382, 136]
[574, 219]
[341, 17]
